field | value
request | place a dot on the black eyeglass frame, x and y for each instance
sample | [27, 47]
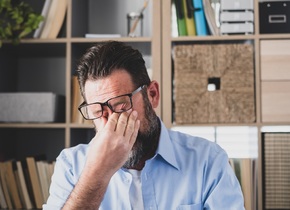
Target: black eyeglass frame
[106, 103]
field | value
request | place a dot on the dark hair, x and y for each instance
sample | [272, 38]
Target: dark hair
[105, 57]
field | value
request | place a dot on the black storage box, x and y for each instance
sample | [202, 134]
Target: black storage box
[274, 16]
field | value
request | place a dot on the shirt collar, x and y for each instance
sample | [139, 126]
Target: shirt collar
[165, 148]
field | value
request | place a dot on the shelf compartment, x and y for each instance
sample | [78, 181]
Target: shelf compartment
[18, 143]
[81, 136]
[33, 68]
[213, 83]
[107, 17]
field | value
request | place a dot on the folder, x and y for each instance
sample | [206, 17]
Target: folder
[199, 16]
[180, 18]
[189, 19]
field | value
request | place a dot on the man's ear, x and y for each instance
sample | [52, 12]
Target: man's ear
[153, 93]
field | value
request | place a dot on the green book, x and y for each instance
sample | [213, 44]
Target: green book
[181, 24]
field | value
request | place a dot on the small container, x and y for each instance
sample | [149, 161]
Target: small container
[135, 24]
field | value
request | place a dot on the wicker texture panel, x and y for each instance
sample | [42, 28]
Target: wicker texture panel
[232, 64]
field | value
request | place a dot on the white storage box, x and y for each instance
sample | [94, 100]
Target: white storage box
[237, 28]
[237, 16]
[237, 5]
[31, 107]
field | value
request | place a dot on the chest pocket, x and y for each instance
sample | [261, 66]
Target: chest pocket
[197, 206]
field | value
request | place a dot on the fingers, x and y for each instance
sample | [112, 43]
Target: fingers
[112, 122]
[131, 125]
[126, 123]
[135, 133]
[123, 124]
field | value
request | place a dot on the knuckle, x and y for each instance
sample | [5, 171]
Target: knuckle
[122, 121]
[130, 128]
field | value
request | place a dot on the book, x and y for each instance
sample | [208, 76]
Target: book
[23, 186]
[43, 178]
[189, 19]
[49, 171]
[77, 99]
[199, 17]
[210, 17]
[54, 20]
[28, 181]
[247, 175]
[244, 169]
[174, 27]
[180, 18]
[3, 173]
[3, 203]
[35, 182]
[11, 184]
[17, 181]
[44, 13]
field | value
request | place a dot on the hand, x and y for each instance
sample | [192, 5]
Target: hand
[111, 146]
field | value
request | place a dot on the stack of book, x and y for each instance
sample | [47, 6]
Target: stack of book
[53, 12]
[188, 18]
[25, 184]
[237, 17]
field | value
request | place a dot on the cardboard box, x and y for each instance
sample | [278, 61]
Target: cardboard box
[275, 101]
[274, 16]
[31, 107]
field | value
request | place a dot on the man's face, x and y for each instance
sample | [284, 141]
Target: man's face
[119, 83]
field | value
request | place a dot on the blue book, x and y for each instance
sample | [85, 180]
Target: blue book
[199, 17]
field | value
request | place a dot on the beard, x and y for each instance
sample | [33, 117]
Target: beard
[147, 139]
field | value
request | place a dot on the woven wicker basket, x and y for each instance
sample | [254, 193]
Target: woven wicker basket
[231, 66]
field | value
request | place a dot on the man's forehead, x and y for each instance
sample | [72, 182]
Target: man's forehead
[108, 87]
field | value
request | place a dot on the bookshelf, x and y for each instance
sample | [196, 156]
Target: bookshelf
[260, 42]
[47, 65]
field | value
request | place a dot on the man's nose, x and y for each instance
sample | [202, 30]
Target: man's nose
[107, 111]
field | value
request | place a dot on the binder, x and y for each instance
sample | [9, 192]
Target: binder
[180, 18]
[199, 16]
[189, 19]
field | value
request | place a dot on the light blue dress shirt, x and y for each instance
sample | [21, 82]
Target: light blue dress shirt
[187, 173]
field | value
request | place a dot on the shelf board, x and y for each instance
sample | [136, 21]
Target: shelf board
[230, 37]
[213, 38]
[77, 125]
[41, 41]
[33, 125]
[215, 125]
[80, 40]
[121, 39]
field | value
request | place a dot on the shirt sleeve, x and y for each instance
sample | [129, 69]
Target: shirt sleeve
[221, 188]
[62, 183]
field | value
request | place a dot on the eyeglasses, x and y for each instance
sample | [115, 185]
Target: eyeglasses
[117, 104]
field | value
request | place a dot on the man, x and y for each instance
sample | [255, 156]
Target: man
[134, 162]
